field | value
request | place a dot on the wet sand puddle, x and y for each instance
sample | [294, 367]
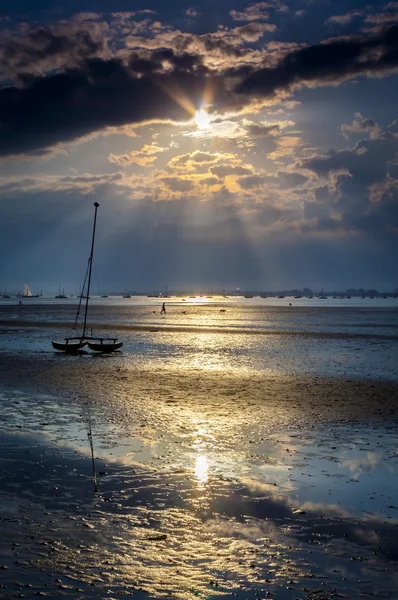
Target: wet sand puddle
[193, 507]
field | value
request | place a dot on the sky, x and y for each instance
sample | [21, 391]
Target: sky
[229, 144]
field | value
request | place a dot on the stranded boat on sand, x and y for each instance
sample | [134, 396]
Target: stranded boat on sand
[77, 342]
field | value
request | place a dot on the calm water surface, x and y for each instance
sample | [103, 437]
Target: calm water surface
[192, 503]
[348, 338]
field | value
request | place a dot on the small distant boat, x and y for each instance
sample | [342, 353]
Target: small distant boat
[60, 296]
[104, 296]
[281, 296]
[126, 294]
[75, 343]
[27, 293]
[248, 296]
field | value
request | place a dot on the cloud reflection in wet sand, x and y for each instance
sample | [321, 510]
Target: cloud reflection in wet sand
[196, 523]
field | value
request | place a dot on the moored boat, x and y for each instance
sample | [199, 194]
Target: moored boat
[76, 343]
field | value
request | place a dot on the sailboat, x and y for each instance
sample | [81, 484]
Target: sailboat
[76, 343]
[59, 295]
[27, 293]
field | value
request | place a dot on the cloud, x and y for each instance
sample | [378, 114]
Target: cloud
[197, 160]
[382, 18]
[261, 129]
[36, 50]
[361, 193]
[258, 11]
[367, 160]
[344, 19]
[331, 62]
[176, 184]
[192, 12]
[86, 183]
[254, 181]
[360, 125]
[167, 84]
[144, 157]
[76, 102]
[227, 170]
[255, 12]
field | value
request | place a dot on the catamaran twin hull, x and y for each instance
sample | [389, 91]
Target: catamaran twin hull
[69, 346]
[104, 345]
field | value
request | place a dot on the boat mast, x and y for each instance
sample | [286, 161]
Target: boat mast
[90, 261]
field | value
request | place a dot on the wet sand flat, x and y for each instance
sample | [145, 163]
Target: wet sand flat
[209, 483]
[202, 461]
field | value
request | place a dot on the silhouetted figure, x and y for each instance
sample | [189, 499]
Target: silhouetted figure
[20, 302]
[163, 311]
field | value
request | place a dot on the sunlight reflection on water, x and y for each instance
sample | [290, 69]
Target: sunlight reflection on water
[202, 469]
[215, 507]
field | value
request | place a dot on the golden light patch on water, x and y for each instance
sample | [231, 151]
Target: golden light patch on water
[183, 557]
[202, 469]
[197, 299]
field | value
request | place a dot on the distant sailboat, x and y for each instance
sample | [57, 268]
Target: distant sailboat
[59, 295]
[27, 292]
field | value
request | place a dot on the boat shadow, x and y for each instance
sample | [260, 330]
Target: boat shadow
[114, 353]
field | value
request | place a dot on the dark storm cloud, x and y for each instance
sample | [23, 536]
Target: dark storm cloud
[76, 102]
[330, 62]
[39, 49]
[66, 105]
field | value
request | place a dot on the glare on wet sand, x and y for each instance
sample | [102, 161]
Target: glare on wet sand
[217, 473]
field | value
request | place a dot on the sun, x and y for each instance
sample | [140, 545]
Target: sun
[202, 119]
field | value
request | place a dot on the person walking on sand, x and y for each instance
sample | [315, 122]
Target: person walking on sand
[163, 311]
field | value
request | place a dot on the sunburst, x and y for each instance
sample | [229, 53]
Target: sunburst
[202, 119]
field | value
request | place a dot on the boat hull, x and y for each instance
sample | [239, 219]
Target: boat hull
[104, 346]
[69, 347]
